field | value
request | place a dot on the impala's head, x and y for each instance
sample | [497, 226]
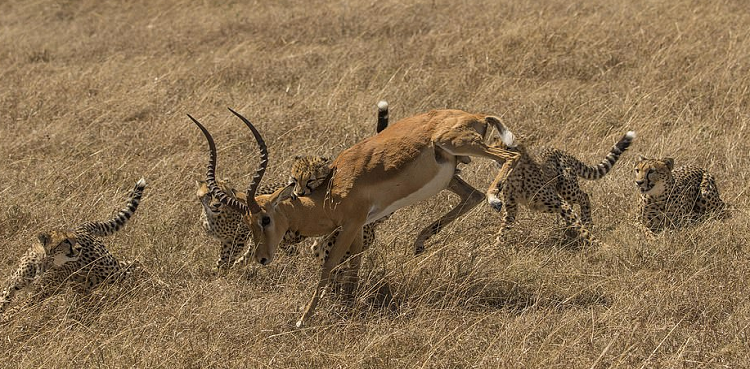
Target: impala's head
[260, 214]
[61, 246]
[268, 225]
[653, 175]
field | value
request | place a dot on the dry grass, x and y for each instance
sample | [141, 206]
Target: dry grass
[94, 96]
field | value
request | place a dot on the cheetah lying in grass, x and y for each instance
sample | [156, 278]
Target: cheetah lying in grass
[73, 256]
[671, 198]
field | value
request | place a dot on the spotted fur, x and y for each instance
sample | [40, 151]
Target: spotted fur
[308, 172]
[672, 198]
[77, 257]
[550, 185]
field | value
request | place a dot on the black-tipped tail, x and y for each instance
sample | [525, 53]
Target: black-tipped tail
[599, 170]
[113, 225]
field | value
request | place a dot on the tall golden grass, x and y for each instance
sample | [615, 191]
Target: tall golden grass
[94, 96]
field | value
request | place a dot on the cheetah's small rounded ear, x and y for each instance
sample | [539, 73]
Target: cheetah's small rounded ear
[641, 157]
[669, 162]
[297, 157]
[44, 238]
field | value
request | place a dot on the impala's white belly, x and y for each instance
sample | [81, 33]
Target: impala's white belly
[438, 183]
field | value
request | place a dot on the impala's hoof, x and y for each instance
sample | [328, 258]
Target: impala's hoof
[495, 203]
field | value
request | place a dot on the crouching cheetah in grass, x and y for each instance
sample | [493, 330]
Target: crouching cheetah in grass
[76, 256]
[671, 198]
[550, 185]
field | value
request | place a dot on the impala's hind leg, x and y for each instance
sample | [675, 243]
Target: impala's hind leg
[470, 197]
[465, 142]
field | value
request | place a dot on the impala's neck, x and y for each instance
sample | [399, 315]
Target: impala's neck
[310, 215]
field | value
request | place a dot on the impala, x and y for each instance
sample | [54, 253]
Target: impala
[409, 161]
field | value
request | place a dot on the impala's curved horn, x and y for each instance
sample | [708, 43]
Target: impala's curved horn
[254, 207]
[211, 174]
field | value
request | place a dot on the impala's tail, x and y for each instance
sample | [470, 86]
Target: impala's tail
[599, 170]
[505, 134]
[382, 115]
[113, 225]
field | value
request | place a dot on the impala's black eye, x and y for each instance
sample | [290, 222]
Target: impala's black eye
[266, 220]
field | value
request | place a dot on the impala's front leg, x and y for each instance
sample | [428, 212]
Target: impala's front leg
[347, 236]
[351, 263]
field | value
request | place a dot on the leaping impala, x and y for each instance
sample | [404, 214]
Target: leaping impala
[409, 161]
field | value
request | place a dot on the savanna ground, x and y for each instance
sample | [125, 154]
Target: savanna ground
[94, 96]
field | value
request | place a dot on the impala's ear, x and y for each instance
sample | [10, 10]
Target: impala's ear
[199, 183]
[282, 195]
[669, 162]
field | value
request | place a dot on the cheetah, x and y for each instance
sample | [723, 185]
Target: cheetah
[76, 256]
[671, 198]
[550, 185]
[308, 172]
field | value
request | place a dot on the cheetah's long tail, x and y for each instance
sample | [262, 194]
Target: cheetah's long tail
[113, 225]
[599, 170]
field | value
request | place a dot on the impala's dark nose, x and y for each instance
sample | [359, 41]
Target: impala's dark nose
[263, 261]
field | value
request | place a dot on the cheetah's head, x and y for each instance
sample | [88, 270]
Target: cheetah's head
[62, 246]
[210, 203]
[651, 175]
[308, 172]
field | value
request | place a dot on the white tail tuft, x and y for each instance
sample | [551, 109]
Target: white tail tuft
[141, 182]
[508, 138]
[630, 135]
[382, 105]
